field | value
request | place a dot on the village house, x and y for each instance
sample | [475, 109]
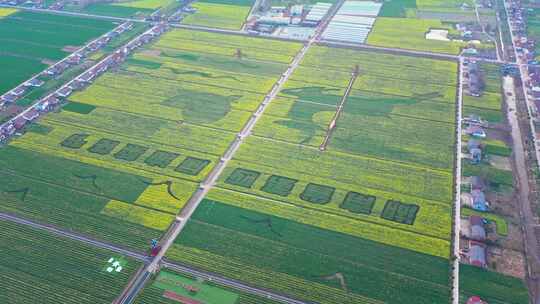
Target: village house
[30, 115]
[477, 254]
[477, 230]
[479, 202]
[19, 122]
[475, 131]
[9, 98]
[19, 91]
[74, 59]
[34, 83]
[64, 92]
[475, 151]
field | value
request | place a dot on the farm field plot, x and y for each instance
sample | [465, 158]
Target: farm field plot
[405, 23]
[165, 289]
[283, 209]
[37, 267]
[29, 42]
[533, 25]
[133, 8]
[306, 261]
[409, 33]
[487, 105]
[395, 97]
[491, 286]
[124, 155]
[227, 14]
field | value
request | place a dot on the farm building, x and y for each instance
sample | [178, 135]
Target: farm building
[479, 200]
[475, 150]
[9, 97]
[477, 254]
[64, 92]
[475, 300]
[87, 77]
[474, 119]
[18, 91]
[19, 122]
[34, 83]
[476, 131]
[477, 230]
[353, 22]
[316, 14]
[31, 115]
[74, 59]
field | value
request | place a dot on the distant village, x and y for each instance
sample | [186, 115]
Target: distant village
[54, 100]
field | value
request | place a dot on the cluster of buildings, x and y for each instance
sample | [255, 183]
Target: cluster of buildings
[51, 101]
[353, 21]
[525, 50]
[473, 228]
[293, 22]
[60, 67]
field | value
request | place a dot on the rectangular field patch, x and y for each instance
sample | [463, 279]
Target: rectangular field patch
[75, 141]
[279, 185]
[39, 129]
[317, 194]
[77, 107]
[189, 291]
[243, 177]
[400, 212]
[104, 146]
[192, 165]
[138, 215]
[130, 152]
[160, 159]
[358, 203]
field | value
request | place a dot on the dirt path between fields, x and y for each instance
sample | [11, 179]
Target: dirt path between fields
[526, 215]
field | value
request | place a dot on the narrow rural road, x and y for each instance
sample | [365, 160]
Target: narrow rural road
[457, 188]
[358, 46]
[528, 220]
[522, 180]
[138, 282]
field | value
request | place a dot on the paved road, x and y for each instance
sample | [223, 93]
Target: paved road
[66, 13]
[135, 286]
[457, 190]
